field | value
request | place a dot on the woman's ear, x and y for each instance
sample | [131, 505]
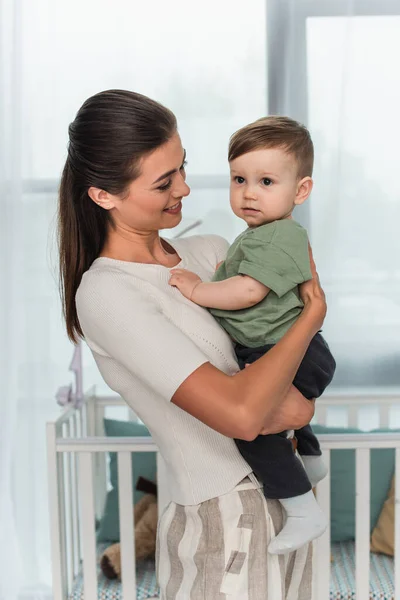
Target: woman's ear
[304, 188]
[101, 197]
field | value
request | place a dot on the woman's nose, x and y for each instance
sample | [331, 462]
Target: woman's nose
[181, 188]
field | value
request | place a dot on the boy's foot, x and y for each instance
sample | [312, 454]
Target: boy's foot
[305, 522]
[315, 468]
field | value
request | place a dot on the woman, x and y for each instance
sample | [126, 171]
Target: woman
[123, 182]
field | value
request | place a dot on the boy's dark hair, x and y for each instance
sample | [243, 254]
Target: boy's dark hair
[275, 132]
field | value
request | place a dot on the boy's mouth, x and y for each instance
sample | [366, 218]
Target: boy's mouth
[250, 211]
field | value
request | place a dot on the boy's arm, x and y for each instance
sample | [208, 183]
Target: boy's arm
[234, 293]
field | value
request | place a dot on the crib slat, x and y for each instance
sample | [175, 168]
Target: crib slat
[126, 525]
[86, 496]
[63, 524]
[322, 546]
[59, 585]
[162, 485]
[397, 527]
[384, 413]
[362, 522]
[77, 529]
[90, 417]
[101, 467]
[320, 413]
[73, 508]
[83, 418]
[69, 512]
[352, 416]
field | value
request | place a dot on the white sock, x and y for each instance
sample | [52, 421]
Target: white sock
[315, 468]
[305, 522]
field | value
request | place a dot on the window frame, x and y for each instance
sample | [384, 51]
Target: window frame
[287, 41]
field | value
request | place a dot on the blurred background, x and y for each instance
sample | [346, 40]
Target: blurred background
[218, 64]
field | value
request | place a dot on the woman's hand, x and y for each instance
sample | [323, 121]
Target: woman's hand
[293, 413]
[185, 281]
[313, 296]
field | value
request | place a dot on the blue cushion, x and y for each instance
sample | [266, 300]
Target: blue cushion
[343, 483]
[143, 464]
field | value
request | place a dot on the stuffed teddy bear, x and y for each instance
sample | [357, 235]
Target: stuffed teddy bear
[145, 519]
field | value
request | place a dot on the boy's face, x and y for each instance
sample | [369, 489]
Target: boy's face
[265, 186]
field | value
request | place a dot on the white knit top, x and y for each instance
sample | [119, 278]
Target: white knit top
[147, 339]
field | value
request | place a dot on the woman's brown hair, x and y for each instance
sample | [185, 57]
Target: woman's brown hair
[111, 132]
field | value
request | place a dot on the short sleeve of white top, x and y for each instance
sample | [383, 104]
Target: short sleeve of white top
[147, 339]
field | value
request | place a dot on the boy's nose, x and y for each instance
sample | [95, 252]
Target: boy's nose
[250, 194]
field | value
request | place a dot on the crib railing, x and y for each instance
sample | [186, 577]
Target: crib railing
[362, 444]
[77, 488]
[77, 454]
[353, 405]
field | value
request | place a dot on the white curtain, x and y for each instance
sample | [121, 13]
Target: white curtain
[11, 321]
[53, 55]
[28, 370]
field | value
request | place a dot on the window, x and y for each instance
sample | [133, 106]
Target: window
[341, 80]
[214, 81]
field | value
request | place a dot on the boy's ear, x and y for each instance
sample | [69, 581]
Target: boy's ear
[304, 188]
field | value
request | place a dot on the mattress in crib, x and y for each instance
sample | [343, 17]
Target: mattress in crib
[111, 589]
[343, 585]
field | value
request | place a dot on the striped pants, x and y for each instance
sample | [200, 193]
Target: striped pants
[217, 550]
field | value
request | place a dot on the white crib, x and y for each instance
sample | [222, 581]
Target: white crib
[77, 451]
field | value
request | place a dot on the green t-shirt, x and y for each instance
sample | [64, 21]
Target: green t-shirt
[276, 254]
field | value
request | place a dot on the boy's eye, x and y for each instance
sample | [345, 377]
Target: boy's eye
[267, 181]
[239, 179]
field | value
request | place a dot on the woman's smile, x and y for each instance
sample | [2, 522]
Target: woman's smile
[175, 209]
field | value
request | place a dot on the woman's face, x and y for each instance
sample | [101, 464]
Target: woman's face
[153, 200]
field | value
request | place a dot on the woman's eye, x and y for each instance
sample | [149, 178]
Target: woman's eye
[267, 181]
[164, 188]
[239, 179]
[182, 169]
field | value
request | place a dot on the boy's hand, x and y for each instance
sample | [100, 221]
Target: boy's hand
[185, 281]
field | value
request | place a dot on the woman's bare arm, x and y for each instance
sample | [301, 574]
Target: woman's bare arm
[243, 405]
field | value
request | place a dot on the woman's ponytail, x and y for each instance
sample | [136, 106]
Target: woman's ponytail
[112, 131]
[80, 240]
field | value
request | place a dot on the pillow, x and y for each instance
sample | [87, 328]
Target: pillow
[382, 539]
[143, 464]
[343, 483]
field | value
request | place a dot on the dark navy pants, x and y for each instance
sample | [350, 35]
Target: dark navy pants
[272, 457]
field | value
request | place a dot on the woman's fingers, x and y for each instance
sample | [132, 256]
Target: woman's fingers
[313, 266]
[294, 412]
[312, 261]
[311, 291]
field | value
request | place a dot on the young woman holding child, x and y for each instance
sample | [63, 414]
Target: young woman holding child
[123, 182]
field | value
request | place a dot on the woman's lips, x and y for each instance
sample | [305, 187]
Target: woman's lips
[175, 209]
